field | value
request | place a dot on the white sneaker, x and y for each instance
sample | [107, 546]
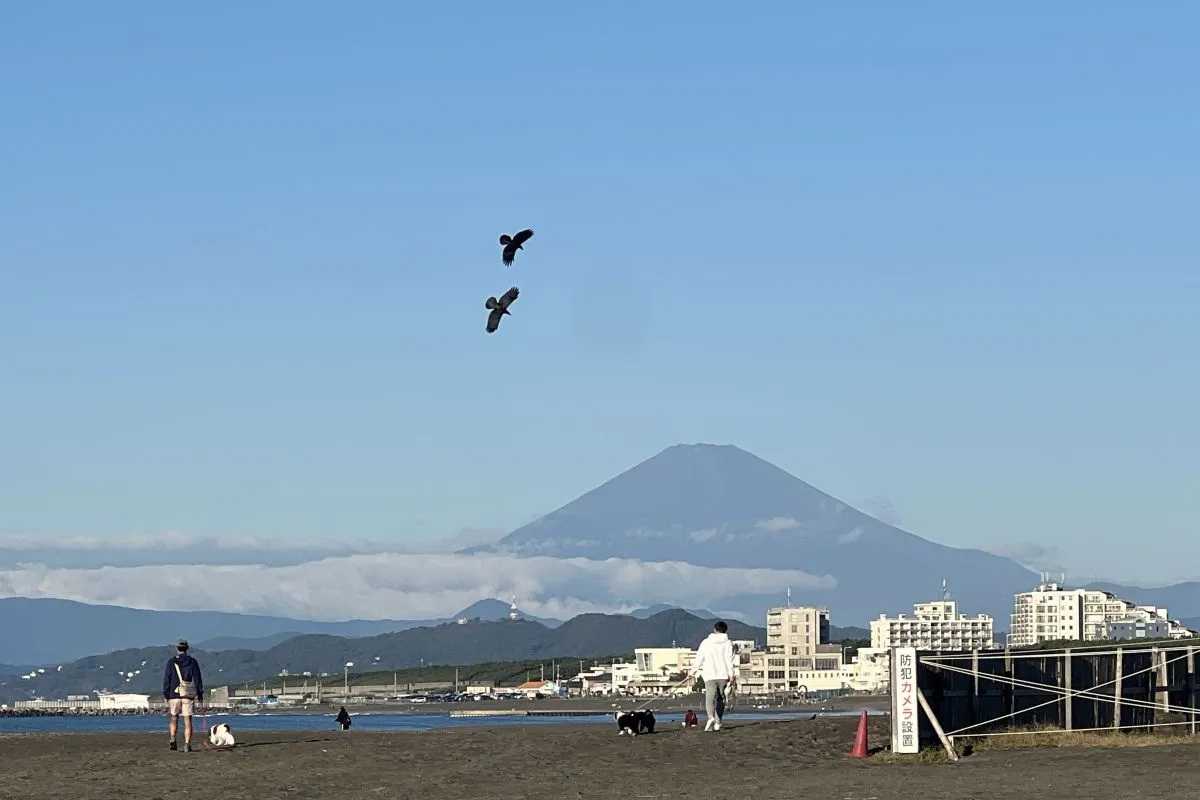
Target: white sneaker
[708, 726]
[717, 725]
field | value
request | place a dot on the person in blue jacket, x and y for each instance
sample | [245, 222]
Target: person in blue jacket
[183, 689]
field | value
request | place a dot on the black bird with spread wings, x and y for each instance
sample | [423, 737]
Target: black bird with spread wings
[513, 243]
[499, 308]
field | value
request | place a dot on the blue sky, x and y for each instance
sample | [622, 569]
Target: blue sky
[932, 254]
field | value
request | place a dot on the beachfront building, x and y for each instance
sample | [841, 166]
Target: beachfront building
[766, 673]
[124, 702]
[539, 688]
[797, 630]
[1051, 612]
[74, 703]
[622, 674]
[660, 670]
[799, 658]
[1045, 614]
[870, 670]
[593, 682]
[1138, 628]
[935, 625]
[103, 701]
[664, 660]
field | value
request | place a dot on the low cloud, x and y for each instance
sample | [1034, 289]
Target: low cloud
[397, 585]
[176, 547]
[777, 524]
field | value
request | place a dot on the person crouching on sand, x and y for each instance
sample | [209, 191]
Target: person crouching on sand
[343, 719]
[183, 689]
[715, 663]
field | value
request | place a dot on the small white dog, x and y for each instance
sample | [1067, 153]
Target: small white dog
[221, 736]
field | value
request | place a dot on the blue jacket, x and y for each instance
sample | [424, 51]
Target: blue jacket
[190, 668]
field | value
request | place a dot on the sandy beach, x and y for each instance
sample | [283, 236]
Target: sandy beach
[769, 759]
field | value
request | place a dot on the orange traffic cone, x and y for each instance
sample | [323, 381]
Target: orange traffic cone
[860, 738]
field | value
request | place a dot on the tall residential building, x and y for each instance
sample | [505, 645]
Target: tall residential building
[1046, 614]
[798, 655]
[935, 625]
[1050, 613]
[797, 630]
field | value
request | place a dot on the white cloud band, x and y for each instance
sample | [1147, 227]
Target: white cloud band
[404, 586]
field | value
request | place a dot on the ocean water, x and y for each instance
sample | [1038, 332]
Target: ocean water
[365, 721]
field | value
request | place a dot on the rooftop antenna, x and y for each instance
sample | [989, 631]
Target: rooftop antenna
[945, 590]
[789, 597]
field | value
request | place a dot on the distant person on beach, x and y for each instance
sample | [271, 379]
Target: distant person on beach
[715, 663]
[343, 719]
[183, 689]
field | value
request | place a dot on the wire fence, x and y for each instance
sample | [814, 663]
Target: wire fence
[1007, 693]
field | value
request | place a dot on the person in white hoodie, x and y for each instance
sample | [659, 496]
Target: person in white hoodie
[715, 663]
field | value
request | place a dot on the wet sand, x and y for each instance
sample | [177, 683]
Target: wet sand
[768, 760]
[873, 703]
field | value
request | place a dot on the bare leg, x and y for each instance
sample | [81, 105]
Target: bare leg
[187, 730]
[171, 726]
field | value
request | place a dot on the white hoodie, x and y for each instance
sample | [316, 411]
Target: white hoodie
[714, 658]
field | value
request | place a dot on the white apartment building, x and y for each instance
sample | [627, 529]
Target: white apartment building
[797, 630]
[1046, 614]
[768, 673]
[935, 625]
[1137, 628]
[1051, 612]
[799, 657]
[664, 661]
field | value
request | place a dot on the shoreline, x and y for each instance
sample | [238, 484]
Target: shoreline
[778, 759]
[872, 703]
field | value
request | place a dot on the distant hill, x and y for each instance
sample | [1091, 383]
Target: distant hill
[719, 506]
[658, 608]
[836, 634]
[51, 631]
[450, 643]
[1180, 599]
[492, 609]
[246, 642]
[847, 634]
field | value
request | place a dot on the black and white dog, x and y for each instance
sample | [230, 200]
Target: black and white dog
[634, 722]
[221, 736]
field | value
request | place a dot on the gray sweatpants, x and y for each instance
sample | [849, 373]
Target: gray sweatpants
[714, 698]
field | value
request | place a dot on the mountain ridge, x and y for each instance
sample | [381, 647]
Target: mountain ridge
[1180, 599]
[46, 630]
[584, 636]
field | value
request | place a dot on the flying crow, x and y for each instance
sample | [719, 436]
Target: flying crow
[499, 308]
[513, 243]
